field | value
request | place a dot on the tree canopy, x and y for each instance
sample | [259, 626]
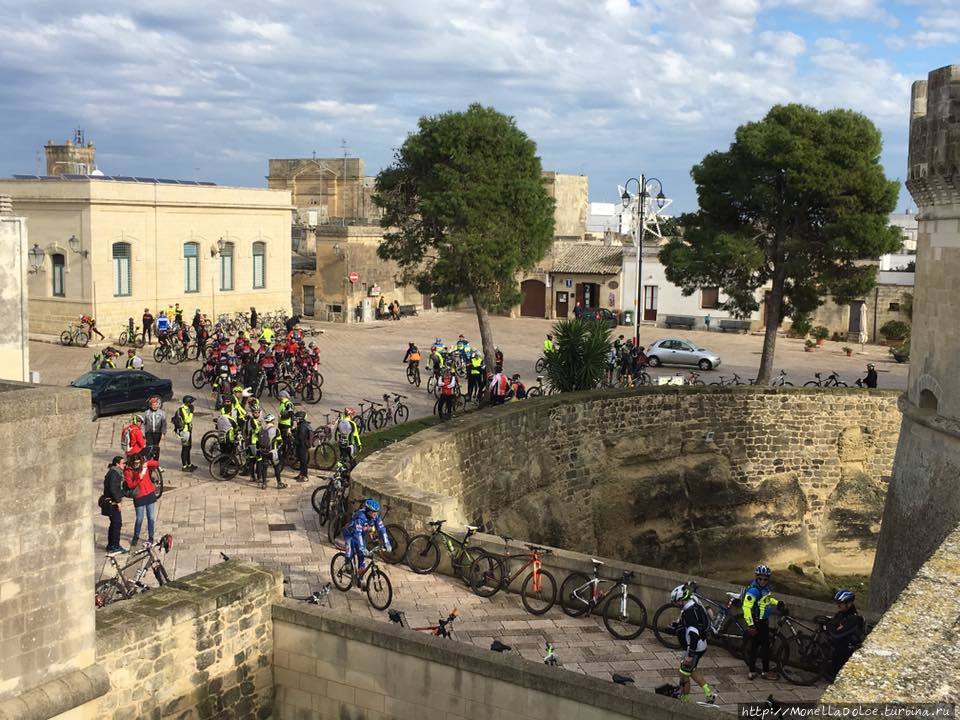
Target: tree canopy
[467, 210]
[796, 204]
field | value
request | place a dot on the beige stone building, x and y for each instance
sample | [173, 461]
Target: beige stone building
[115, 246]
[14, 270]
[571, 193]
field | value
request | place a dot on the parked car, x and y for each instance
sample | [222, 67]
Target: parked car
[602, 314]
[113, 391]
[673, 351]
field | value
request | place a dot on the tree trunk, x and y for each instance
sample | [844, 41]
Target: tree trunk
[486, 333]
[774, 302]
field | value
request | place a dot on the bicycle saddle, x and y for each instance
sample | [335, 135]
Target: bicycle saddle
[541, 550]
[499, 647]
[622, 679]
[472, 528]
[436, 523]
[597, 562]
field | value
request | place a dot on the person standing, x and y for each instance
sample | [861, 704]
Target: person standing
[692, 633]
[758, 602]
[183, 426]
[147, 320]
[286, 409]
[110, 502]
[132, 441]
[137, 478]
[134, 361]
[154, 427]
[499, 387]
[348, 437]
[447, 388]
[272, 452]
[304, 438]
[253, 318]
[846, 630]
[178, 315]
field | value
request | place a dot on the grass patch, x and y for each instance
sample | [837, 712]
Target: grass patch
[395, 433]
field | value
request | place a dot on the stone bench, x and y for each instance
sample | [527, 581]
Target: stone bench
[732, 324]
[686, 321]
[408, 310]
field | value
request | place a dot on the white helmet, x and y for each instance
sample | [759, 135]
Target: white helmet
[680, 592]
[270, 418]
[247, 392]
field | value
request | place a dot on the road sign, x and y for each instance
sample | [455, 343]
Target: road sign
[354, 277]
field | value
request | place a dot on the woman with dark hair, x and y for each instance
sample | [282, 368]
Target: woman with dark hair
[110, 502]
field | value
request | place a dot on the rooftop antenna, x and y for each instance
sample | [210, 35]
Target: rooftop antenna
[78, 136]
[314, 154]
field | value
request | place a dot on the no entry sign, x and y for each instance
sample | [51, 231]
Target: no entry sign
[354, 277]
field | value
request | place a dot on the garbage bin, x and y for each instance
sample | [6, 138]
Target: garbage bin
[628, 317]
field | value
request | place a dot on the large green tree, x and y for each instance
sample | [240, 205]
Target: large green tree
[794, 205]
[466, 209]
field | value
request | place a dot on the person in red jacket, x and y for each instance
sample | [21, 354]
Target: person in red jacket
[137, 477]
[132, 440]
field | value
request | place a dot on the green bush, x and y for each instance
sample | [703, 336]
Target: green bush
[800, 327]
[820, 332]
[902, 348]
[580, 358]
[895, 331]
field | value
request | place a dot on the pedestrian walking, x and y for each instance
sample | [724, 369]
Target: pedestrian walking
[110, 502]
[154, 427]
[253, 317]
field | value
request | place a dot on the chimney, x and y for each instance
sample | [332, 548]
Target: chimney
[6, 205]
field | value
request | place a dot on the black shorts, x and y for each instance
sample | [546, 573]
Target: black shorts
[687, 668]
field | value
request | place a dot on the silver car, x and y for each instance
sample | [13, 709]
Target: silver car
[674, 351]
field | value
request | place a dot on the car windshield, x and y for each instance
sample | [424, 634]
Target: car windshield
[88, 380]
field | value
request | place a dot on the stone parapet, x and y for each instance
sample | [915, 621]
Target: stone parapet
[934, 157]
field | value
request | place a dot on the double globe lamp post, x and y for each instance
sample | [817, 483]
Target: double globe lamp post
[645, 186]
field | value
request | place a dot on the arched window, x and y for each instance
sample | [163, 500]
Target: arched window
[259, 265]
[191, 267]
[59, 263]
[121, 269]
[928, 401]
[226, 267]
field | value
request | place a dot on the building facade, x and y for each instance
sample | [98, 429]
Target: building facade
[114, 247]
[14, 271]
[74, 157]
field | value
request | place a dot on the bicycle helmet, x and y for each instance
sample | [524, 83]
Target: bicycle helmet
[680, 592]
[844, 596]
[255, 410]
[870, 366]
[269, 418]
[247, 393]
[237, 390]
[349, 411]
[136, 420]
[284, 395]
[762, 570]
[371, 505]
[301, 415]
[189, 399]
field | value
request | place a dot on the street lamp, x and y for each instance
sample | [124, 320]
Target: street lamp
[36, 256]
[639, 218]
[74, 244]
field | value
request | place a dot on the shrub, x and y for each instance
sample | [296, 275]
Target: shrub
[810, 344]
[800, 326]
[820, 332]
[580, 358]
[895, 330]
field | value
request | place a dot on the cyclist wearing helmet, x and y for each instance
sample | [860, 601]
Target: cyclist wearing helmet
[412, 356]
[348, 437]
[870, 381]
[692, 631]
[132, 441]
[846, 630]
[268, 451]
[183, 427]
[364, 520]
[758, 602]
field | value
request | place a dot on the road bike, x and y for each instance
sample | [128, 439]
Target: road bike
[119, 586]
[372, 580]
[780, 380]
[441, 629]
[74, 335]
[803, 654]
[833, 380]
[423, 551]
[624, 616]
[725, 625]
[489, 573]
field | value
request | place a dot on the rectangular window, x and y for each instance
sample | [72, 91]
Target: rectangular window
[259, 271]
[226, 267]
[121, 269]
[58, 280]
[709, 298]
[191, 267]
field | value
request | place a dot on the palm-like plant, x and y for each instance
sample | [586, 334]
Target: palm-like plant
[580, 357]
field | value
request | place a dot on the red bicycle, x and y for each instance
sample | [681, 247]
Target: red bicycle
[538, 593]
[441, 629]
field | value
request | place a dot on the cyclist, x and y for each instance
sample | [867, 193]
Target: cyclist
[91, 325]
[154, 427]
[348, 437]
[226, 430]
[182, 422]
[412, 356]
[147, 320]
[846, 630]
[447, 388]
[436, 360]
[267, 334]
[363, 521]
[134, 361]
[497, 357]
[870, 381]
[475, 376]
[286, 410]
[758, 602]
[304, 438]
[692, 633]
[132, 441]
[269, 451]
[517, 388]
[499, 387]
[163, 327]
[548, 344]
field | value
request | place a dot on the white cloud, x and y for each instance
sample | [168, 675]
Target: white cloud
[337, 108]
[837, 9]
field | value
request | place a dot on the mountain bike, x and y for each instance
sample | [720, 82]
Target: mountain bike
[396, 533]
[540, 389]
[324, 444]
[735, 380]
[397, 412]
[725, 626]
[803, 654]
[538, 592]
[624, 616]
[441, 629]
[330, 499]
[413, 373]
[74, 335]
[372, 580]
[423, 551]
[780, 380]
[833, 380]
[119, 586]
[134, 338]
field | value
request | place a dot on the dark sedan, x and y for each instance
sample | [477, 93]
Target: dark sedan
[114, 391]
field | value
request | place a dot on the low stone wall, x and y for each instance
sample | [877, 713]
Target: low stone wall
[200, 646]
[663, 476]
[332, 665]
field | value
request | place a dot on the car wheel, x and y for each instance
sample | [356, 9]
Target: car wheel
[95, 412]
[653, 361]
[705, 364]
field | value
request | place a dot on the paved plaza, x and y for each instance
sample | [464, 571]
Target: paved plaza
[208, 517]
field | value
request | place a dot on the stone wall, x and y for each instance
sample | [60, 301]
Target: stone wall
[331, 665]
[200, 646]
[46, 552]
[664, 476]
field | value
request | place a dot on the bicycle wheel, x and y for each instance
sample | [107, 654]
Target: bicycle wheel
[665, 620]
[431, 383]
[486, 573]
[538, 600]
[224, 467]
[417, 381]
[122, 338]
[210, 445]
[82, 339]
[624, 618]
[800, 659]
[379, 589]
[198, 379]
[541, 364]
[160, 573]
[341, 572]
[107, 591]
[311, 392]
[571, 604]
[411, 374]
[811, 383]
[840, 383]
[138, 340]
[399, 539]
[66, 338]
[423, 554]
[733, 636]
[156, 477]
[320, 500]
[159, 354]
[325, 456]
[401, 414]
[319, 378]
[338, 520]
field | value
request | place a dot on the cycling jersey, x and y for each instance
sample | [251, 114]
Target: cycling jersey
[757, 603]
[355, 530]
[163, 324]
[548, 345]
[692, 627]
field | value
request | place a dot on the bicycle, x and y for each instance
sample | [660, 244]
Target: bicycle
[441, 629]
[119, 587]
[373, 581]
[833, 380]
[323, 441]
[624, 615]
[398, 412]
[330, 499]
[735, 380]
[126, 336]
[538, 593]
[74, 335]
[540, 365]
[725, 626]
[540, 389]
[692, 378]
[413, 373]
[802, 655]
[780, 380]
[396, 533]
[423, 551]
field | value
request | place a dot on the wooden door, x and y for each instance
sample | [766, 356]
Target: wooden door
[650, 303]
[534, 302]
[309, 300]
[563, 303]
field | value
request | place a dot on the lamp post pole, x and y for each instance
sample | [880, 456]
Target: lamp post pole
[639, 219]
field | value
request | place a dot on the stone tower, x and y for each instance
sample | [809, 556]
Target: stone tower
[923, 500]
[75, 157]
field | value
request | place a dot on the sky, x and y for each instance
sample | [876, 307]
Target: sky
[607, 88]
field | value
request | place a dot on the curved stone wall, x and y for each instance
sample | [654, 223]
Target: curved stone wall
[664, 476]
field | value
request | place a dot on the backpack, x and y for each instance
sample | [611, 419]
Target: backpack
[178, 421]
[125, 439]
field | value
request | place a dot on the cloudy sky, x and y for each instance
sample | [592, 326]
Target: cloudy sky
[607, 88]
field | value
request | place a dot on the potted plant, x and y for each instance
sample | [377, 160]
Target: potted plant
[848, 350]
[895, 332]
[901, 352]
[809, 346]
[799, 327]
[820, 333]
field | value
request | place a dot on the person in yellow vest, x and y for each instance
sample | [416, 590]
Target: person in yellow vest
[183, 426]
[267, 334]
[548, 344]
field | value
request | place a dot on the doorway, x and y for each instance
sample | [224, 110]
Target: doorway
[650, 293]
[534, 302]
[588, 295]
[563, 303]
[856, 308]
[309, 300]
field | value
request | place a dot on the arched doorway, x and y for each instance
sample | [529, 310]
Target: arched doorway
[534, 299]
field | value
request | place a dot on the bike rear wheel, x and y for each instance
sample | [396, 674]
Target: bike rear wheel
[401, 414]
[733, 636]
[571, 604]
[122, 339]
[224, 467]
[486, 575]
[108, 591]
[624, 620]
[325, 456]
[664, 625]
[379, 589]
[82, 339]
[320, 500]
[341, 572]
[66, 338]
[800, 659]
[534, 392]
[399, 539]
[538, 600]
[423, 554]
[210, 445]
[156, 477]
[311, 392]
[198, 379]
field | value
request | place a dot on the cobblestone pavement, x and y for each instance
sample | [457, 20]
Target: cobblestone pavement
[208, 517]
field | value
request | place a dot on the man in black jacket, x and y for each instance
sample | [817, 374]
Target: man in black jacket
[846, 630]
[110, 502]
[304, 435]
